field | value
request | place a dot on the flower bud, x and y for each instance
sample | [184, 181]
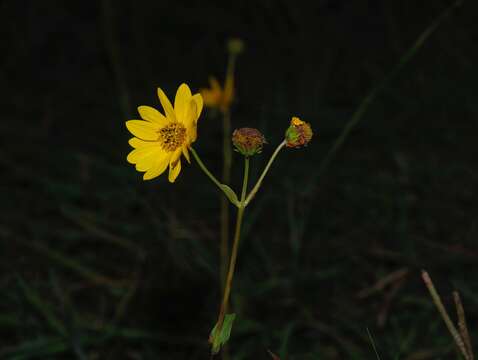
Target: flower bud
[298, 134]
[248, 141]
[235, 46]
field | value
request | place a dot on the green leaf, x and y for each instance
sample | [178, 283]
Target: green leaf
[218, 339]
[231, 195]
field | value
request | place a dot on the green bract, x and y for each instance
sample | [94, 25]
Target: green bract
[248, 141]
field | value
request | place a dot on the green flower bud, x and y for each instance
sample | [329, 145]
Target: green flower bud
[235, 46]
[248, 141]
[298, 134]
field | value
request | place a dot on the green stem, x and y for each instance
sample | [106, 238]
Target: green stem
[204, 168]
[226, 177]
[231, 66]
[225, 189]
[245, 180]
[264, 173]
[237, 236]
[224, 247]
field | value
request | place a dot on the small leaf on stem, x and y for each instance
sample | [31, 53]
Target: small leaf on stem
[231, 195]
[217, 339]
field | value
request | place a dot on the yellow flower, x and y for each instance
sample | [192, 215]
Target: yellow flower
[161, 139]
[217, 97]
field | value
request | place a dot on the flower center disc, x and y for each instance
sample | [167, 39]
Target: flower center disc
[172, 136]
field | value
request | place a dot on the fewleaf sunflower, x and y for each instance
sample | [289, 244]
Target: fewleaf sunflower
[161, 139]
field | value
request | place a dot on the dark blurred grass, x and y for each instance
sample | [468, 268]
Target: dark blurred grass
[99, 264]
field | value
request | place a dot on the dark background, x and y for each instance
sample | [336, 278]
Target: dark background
[97, 264]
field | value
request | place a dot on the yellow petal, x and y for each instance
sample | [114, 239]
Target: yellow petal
[145, 164]
[143, 129]
[215, 86]
[191, 127]
[168, 108]
[192, 132]
[176, 155]
[138, 143]
[137, 154]
[174, 171]
[151, 114]
[197, 98]
[296, 121]
[182, 102]
[186, 154]
[160, 165]
[210, 97]
[148, 161]
[190, 113]
[192, 117]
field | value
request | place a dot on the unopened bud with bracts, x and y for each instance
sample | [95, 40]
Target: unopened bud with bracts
[248, 141]
[298, 134]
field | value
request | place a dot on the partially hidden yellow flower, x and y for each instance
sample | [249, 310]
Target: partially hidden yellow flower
[161, 139]
[217, 97]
